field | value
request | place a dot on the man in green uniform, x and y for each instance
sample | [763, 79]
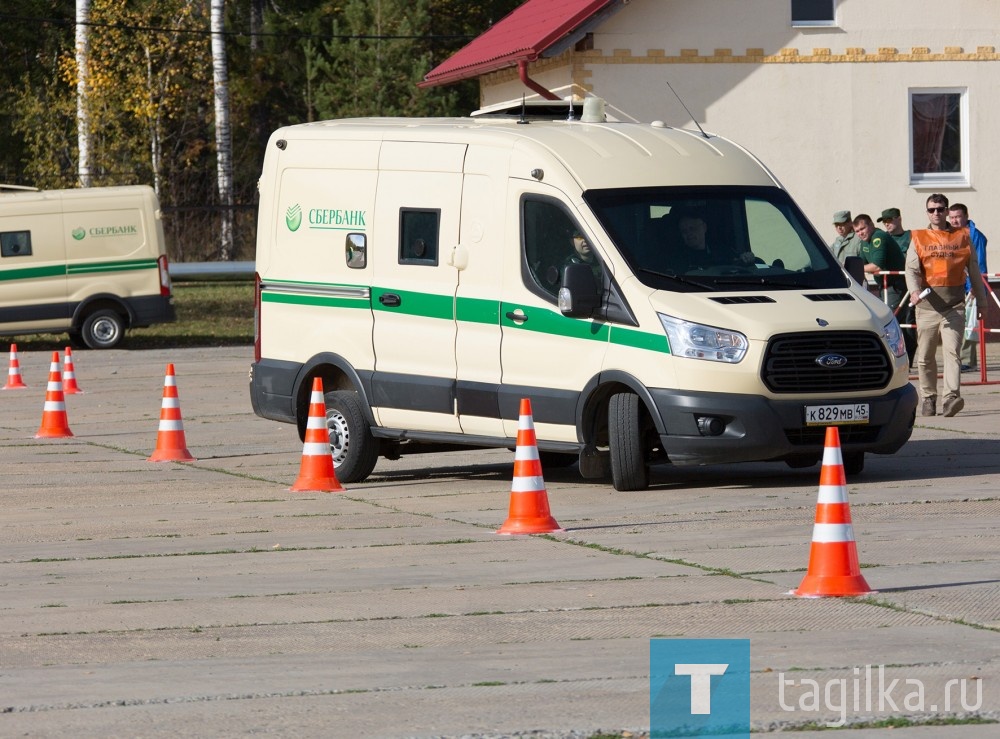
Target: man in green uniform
[892, 221]
[881, 253]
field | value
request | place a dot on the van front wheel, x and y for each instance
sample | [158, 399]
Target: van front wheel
[355, 450]
[626, 435]
[103, 329]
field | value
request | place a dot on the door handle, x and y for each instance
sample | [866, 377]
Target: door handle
[389, 300]
[517, 316]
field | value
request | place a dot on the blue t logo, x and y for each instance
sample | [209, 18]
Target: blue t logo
[699, 687]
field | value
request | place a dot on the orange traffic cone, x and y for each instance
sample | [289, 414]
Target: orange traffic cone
[14, 381]
[69, 374]
[833, 557]
[316, 473]
[55, 424]
[529, 503]
[170, 443]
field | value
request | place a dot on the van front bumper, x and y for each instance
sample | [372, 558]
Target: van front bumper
[759, 428]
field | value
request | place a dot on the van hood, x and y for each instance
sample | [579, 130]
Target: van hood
[762, 314]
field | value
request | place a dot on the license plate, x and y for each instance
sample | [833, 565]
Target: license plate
[835, 415]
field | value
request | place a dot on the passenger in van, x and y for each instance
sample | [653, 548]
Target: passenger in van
[699, 252]
[583, 253]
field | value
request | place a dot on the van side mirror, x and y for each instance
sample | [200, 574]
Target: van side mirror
[855, 267]
[578, 294]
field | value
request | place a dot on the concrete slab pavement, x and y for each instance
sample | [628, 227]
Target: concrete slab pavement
[206, 599]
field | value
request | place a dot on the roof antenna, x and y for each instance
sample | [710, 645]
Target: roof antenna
[524, 115]
[688, 111]
[570, 117]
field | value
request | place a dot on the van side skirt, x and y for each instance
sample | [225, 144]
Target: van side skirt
[272, 387]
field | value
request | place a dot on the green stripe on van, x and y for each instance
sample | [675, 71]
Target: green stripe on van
[61, 270]
[548, 321]
[120, 266]
[477, 310]
[428, 305]
[640, 339]
[33, 273]
[323, 301]
[471, 310]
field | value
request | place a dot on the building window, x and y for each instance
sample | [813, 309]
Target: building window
[814, 13]
[939, 137]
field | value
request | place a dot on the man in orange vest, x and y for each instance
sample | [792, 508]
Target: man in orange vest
[939, 258]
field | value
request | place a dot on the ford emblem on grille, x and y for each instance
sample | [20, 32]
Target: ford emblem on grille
[831, 361]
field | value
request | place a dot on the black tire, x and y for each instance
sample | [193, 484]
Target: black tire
[103, 329]
[629, 468]
[76, 340]
[355, 450]
[854, 464]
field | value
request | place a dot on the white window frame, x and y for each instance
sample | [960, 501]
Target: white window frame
[817, 23]
[936, 180]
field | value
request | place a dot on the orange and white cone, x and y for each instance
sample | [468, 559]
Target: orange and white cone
[529, 502]
[833, 558]
[14, 380]
[55, 424]
[316, 472]
[69, 374]
[171, 445]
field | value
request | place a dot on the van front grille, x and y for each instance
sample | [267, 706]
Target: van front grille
[855, 361]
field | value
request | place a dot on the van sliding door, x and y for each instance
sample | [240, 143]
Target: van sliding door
[413, 289]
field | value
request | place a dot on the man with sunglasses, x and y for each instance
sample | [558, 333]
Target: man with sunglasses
[940, 257]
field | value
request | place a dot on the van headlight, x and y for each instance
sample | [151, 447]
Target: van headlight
[697, 341]
[894, 338]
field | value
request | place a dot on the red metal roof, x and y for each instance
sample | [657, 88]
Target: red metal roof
[520, 36]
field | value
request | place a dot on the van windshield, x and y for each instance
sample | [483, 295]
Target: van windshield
[715, 238]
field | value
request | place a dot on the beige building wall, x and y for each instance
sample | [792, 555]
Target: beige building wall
[826, 108]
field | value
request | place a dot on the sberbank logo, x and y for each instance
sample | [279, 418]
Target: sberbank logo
[78, 233]
[293, 217]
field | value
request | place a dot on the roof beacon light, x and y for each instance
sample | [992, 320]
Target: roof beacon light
[593, 111]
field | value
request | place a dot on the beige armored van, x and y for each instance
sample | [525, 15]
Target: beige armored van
[89, 262]
[655, 292]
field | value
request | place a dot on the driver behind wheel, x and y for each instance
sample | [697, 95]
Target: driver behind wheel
[699, 250]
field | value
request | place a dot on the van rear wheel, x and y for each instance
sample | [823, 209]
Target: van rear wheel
[626, 438]
[103, 329]
[355, 450]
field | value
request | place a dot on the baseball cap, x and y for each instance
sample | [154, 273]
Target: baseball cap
[888, 214]
[842, 216]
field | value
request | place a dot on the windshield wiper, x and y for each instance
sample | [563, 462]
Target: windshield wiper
[676, 278]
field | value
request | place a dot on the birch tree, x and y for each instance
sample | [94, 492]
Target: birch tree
[82, 114]
[223, 134]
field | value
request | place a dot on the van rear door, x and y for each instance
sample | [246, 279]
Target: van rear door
[32, 264]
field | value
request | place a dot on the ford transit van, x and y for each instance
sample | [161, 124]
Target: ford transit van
[655, 292]
[90, 262]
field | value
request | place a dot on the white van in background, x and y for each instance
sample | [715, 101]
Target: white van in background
[91, 262]
[433, 272]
